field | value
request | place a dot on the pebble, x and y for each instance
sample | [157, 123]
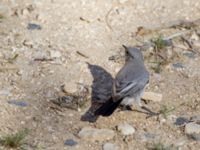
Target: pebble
[55, 54]
[110, 146]
[181, 141]
[178, 65]
[193, 130]
[70, 88]
[28, 43]
[5, 92]
[42, 17]
[146, 136]
[196, 44]
[93, 134]
[25, 12]
[168, 42]
[18, 103]
[156, 97]
[70, 142]
[194, 37]
[189, 54]
[40, 54]
[126, 129]
[181, 121]
[149, 136]
[33, 26]
[195, 119]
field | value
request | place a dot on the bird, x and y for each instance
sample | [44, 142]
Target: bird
[129, 83]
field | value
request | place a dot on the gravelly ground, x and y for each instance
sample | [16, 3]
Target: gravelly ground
[96, 29]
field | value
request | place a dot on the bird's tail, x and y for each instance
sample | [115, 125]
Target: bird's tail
[107, 108]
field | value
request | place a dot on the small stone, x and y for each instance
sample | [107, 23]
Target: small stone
[178, 65]
[69, 88]
[181, 121]
[55, 54]
[168, 42]
[25, 12]
[149, 136]
[126, 129]
[33, 26]
[157, 97]
[145, 136]
[40, 54]
[5, 92]
[189, 54]
[18, 103]
[92, 134]
[42, 17]
[28, 43]
[110, 146]
[194, 37]
[157, 76]
[195, 119]
[193, 130]
[70, 142]
[181, 141]
[196, 44]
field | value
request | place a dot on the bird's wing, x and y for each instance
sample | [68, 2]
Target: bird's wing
[126, 88]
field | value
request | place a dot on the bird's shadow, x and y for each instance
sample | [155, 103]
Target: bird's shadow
[101, 91]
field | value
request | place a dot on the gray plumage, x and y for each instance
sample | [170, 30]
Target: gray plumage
[132, 78]
[129, 83]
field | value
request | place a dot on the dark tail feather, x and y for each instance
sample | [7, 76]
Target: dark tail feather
[107, 108]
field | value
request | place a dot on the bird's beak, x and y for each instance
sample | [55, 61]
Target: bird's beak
[126, 48]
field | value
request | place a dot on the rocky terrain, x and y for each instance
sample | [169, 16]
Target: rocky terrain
[58, 56]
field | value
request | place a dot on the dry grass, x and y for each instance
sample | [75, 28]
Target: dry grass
[14, 140]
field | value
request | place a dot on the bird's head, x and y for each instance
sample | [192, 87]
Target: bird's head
[133, 53]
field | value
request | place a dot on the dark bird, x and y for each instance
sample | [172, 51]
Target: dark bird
[128, 85]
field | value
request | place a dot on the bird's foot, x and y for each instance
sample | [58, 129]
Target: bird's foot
[126, 108]
[149, 112]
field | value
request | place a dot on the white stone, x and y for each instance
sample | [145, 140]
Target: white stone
[126, 129]
[194, 37]
[92, 134]
[110, 146]
[157, 97]
[70, 88]
[55, 54]
[40, 54]
[191, 128]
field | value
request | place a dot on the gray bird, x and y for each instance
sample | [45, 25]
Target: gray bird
[129, 83]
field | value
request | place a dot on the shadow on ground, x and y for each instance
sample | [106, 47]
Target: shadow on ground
[101, 91]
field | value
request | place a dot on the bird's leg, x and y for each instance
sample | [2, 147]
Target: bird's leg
[126, 108]
[142, 108]
[127, 103]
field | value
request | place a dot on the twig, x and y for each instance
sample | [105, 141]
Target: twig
[81, 54]
[82, 19]
[191, 48]
[106, 19]
[115, 4]
[177, 35]
[187, 41]
[43, 59]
